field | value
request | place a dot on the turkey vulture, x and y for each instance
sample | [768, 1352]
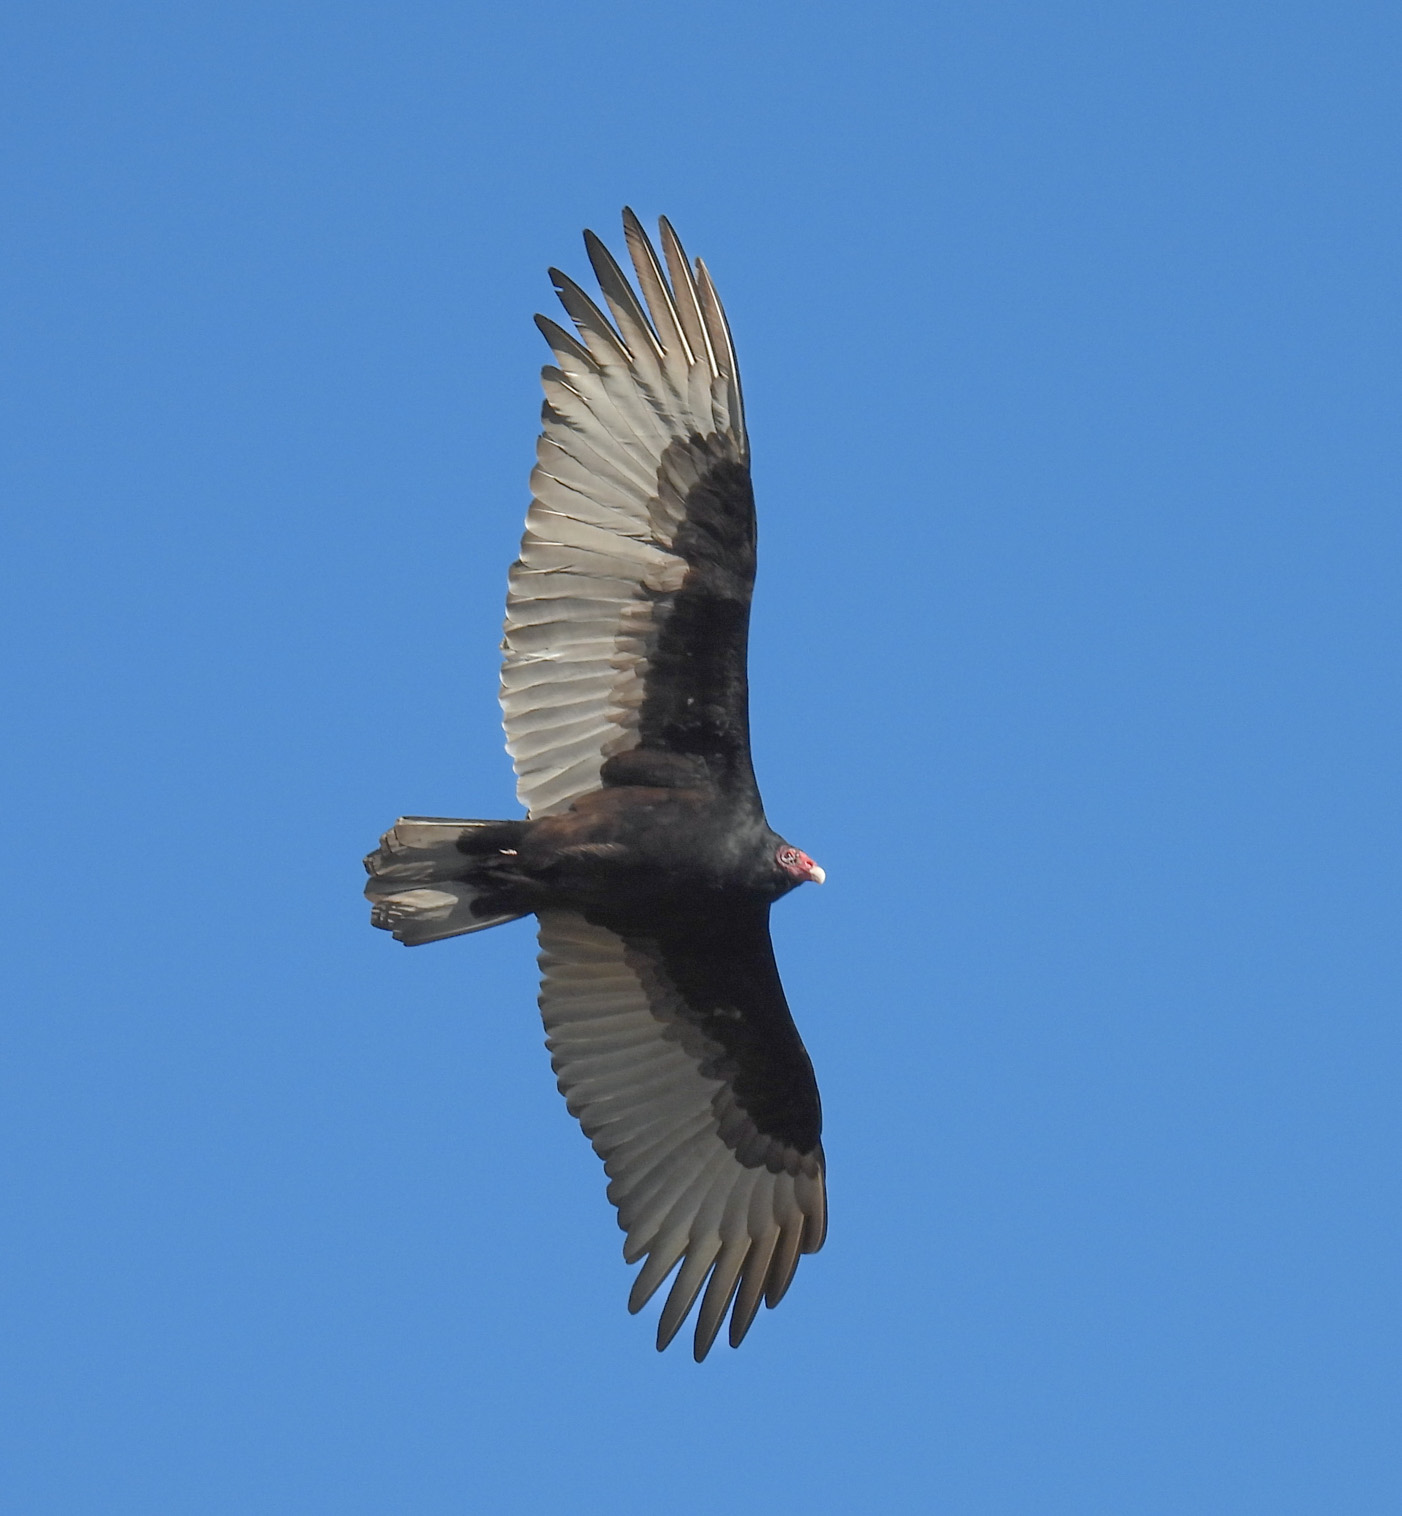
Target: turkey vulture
[646, 857]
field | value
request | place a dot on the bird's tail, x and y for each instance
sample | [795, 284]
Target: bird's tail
[428, 872]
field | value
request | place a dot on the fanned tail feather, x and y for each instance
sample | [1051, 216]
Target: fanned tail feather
[421, 885]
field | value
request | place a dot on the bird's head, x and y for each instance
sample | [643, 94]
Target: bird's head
[798, 865]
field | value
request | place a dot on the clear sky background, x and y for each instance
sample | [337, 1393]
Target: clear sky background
[1070, 340]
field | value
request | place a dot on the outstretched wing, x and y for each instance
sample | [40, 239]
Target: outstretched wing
[628, 610]
[674, 1047]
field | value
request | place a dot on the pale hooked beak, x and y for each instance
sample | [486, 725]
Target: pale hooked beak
[816, 874]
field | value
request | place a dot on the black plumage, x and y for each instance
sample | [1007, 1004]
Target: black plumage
[646, 854]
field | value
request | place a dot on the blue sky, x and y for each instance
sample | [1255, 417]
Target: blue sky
[1070, 344]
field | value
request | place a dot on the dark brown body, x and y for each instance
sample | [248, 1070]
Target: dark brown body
[630, 850]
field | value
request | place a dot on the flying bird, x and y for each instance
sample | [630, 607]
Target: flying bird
[645, 856]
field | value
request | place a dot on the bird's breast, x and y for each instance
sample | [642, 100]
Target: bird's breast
[640, 844]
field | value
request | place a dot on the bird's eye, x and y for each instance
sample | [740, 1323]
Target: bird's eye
[787, 855]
